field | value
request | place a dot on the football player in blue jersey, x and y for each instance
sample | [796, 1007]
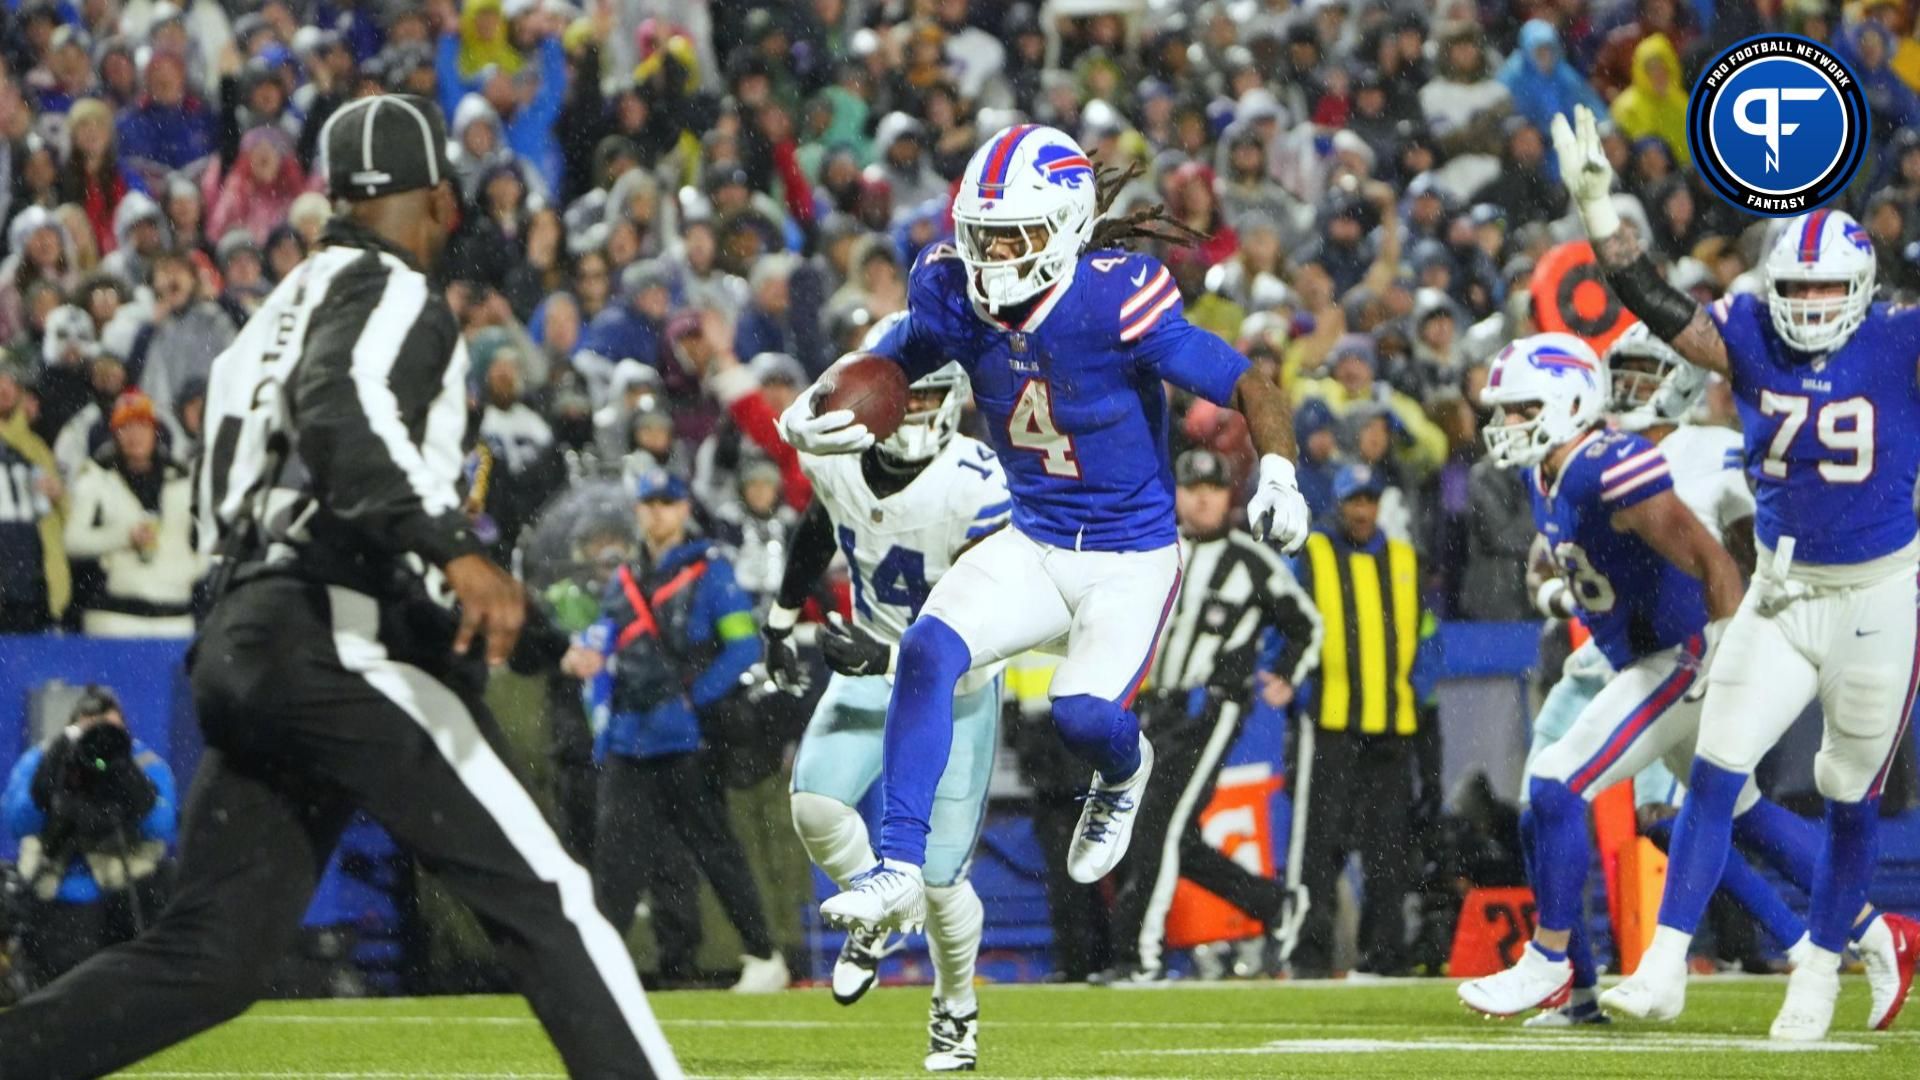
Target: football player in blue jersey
[1068, 341]
[1646, 576]
[1829, 400]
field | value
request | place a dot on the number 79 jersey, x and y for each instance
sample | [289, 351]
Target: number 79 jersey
[1073, 394]
[897, 547]
[1634, 601]
[1832, 442]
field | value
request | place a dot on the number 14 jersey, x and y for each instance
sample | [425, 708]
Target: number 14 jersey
[1633, 600]
[1072, 392]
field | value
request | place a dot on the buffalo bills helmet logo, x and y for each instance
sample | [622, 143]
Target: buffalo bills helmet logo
[1556, 361]
[1857, 236]
[1063, 165]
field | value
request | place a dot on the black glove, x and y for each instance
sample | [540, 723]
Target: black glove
[851, 650]
[783, 661]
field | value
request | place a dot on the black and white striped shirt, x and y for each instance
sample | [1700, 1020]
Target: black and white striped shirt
[337, 424]
[1235, 586]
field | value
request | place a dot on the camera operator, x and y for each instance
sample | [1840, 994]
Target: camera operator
[93, 809]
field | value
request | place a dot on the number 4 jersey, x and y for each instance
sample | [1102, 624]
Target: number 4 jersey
[897, 547]
[1633, 600]
[1833, 442]
[1072, 393]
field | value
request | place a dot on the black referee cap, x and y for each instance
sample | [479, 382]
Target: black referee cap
[384, 145]
[1202, 466]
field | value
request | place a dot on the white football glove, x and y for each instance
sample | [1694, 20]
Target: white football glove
[1586, 172]
[830, 433]
[1678, 388]
[1277, 510]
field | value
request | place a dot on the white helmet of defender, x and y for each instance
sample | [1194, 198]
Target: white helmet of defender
[1546, 391]
[1651, 383]
[1826, 247]
[1024, 213]
[922, 435]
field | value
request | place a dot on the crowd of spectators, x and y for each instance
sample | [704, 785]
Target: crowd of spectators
[678, 212]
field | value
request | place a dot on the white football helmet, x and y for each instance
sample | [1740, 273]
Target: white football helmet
[1558, 376]
[1035, 185]
[1826, 246]
[922, 435]
[1651, 383]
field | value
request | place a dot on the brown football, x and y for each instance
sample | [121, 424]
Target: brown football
[873, 387]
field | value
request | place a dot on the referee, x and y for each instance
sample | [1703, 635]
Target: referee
[327, 677]
[1203, 675]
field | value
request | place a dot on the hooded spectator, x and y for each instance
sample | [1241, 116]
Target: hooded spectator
[1541, 81]
[257, 194]
[1892, 103]
[900, 152]
[1352, 384]
[506, 54]
[1465, 104]
[1526, 187]
[186, 210]
[1614, 66]
[139, 234]
[42, 252]
[1656, 103]
[479, 143]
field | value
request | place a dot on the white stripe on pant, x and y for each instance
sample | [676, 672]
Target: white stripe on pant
[447, 723]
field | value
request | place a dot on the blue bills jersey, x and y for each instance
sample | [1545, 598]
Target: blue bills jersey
[1072, 394]
[1833, 441]
[1633, 600]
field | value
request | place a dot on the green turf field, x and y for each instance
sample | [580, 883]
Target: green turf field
[1402, 1031]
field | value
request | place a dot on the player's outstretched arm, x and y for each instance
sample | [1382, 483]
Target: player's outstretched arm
[1277, 510]
[1664, 522]
[1669, 313]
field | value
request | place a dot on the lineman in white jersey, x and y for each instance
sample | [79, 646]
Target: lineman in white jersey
[900, 513]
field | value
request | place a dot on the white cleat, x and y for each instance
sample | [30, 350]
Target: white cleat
[857, 967]
[1531, 983]
[1106, 822]
[763, 976]
[1658, 991]
[1888, 950]
[1808, 1011]
[890, 896]
[952, 1040]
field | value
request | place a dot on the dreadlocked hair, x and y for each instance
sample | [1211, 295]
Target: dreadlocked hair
[1148, 224]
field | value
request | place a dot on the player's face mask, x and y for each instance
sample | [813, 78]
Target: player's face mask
[1820, 276]
[1647, 388]
[933, 417]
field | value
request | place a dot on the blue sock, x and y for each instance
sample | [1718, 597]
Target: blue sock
[1100, 733]
[1698, 852]
[1562, 852]
[919, 734]
[1846, 869]
[1782, 839]
[1760, 900]
[1579, 950]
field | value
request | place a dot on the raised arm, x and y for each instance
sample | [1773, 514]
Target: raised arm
[1669, 313]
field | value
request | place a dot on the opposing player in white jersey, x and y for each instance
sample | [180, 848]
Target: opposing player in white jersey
[900, 512]
[1829, 399]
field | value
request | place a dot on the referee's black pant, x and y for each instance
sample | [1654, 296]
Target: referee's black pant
[1167, 845]
[315, 701]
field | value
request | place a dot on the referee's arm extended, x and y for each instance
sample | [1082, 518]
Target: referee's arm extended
[373, 380]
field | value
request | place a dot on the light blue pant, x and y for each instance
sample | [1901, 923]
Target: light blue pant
[1564, 704]
[840, 758]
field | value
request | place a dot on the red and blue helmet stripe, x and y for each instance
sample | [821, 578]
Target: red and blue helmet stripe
[1810, 236]
[993, 174]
